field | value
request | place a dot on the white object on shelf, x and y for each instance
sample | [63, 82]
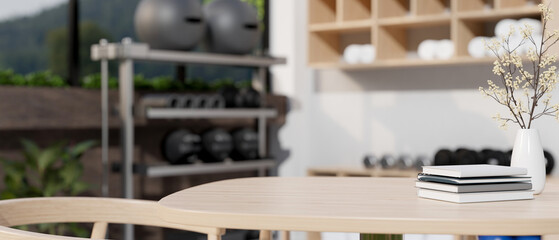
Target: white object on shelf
[352, 54]
[444, 49]
[476, 47]
[535, 24]
[368, 53]
[503, 27]
[426, 49]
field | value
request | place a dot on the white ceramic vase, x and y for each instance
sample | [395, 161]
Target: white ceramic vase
[528, 153]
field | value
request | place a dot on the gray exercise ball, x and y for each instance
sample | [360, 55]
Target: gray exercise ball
[170, 24]
[233, 26]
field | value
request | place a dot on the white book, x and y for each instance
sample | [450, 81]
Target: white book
[468, 188]
[475, 197]
[472, 180]
[478, 170]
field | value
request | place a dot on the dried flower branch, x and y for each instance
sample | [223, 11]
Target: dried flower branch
[524, 90]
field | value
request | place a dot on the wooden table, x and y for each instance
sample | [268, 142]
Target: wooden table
[364, 205]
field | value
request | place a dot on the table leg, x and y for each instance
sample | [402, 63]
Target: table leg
[313, 236]
[284, 235]
[265, 235]
[370, 236]
[214, 237]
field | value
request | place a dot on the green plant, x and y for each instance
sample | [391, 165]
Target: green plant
[52, 171]
[93, 81]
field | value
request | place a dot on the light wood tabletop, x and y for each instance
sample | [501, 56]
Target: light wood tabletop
[365, 205]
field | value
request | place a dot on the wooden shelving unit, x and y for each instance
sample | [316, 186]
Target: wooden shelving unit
[396, 27]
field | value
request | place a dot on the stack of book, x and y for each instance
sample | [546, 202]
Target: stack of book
[474, 183]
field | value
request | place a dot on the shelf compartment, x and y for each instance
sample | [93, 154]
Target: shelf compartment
[503, 4]
[429, 7]
[351, 26]
[422, 21]
[177, 113]
[532, 11]
[402, 42]
[167, 170]
[323, 11]
[328, 47]
[356, 10]
[474, 5]
[468, 28]
[392, 8]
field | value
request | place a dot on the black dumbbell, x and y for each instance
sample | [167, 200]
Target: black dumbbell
[229, 95]
[217, 144]
[181, 146]
[370, 161]
[419, 162]
[444, 157]
[245, 144]
[387, 161]
[549, 162]
[248, 98]
[466, 156]
[404, 162]
[494, 157]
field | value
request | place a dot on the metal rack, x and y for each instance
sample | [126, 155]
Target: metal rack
[126, 53]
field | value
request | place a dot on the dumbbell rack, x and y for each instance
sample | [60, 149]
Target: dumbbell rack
[126, 53]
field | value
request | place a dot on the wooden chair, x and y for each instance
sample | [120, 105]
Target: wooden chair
[100, 211]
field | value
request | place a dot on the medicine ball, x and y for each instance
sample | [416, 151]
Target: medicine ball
[170, 24]
[233, 26]
[216, 145]
[181, 146]
[494, 157]
[245, 144]
[387, 161]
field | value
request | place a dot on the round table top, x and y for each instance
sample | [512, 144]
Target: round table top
[354, 204]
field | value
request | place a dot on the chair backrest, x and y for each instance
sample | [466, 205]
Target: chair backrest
[100, 211]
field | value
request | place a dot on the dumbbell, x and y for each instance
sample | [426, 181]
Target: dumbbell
[387, 161]
[181, 146]
[229, 94]
[248, 98]
[370, 161]
[217, 144]
[494, 157]
[444, 157]
[549, 162]
[404, 162]
[245, 144]
[466, 156]
[244, 98]
[419, 162]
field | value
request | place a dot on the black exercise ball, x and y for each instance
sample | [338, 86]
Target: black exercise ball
[181, 146]
[466, 156]
[217, 144]
[233, 26]
[170, 24]
[245, 144]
